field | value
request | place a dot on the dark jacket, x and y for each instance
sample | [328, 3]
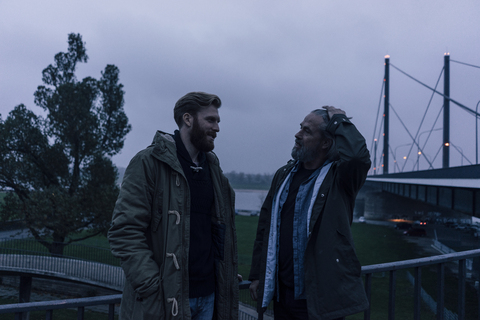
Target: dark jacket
[333, 284]
[150, 233]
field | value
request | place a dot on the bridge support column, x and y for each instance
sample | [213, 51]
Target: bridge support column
[386, 116]
[25, 291]
[446, 113]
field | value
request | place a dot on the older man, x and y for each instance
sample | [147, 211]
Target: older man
[304, 256]
[173, 223]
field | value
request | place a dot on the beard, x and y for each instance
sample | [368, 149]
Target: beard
[304, 154]
[199, 138]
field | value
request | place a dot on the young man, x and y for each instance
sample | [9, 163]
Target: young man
[173, 223]
[303, 255]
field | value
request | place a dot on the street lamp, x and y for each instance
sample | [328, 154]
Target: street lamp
[418, 146]
[418, 159]
[395, 156]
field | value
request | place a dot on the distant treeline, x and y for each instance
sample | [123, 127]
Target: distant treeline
[238, 180]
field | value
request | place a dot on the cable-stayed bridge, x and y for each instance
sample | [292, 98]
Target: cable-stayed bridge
[416, 172]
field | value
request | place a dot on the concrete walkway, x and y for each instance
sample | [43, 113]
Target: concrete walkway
[15, 234]
[92, 273]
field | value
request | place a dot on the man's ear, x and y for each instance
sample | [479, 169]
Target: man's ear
[187, 119]
[326, 143]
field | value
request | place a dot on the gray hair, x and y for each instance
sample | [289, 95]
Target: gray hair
[332, 153]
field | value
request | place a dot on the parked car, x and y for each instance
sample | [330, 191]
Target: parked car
[403, 226]
[418, 232]
[420, 223]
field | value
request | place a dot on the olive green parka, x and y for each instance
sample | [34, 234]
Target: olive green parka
[150, 233]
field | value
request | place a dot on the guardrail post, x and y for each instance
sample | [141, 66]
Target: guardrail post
[391, 295]
[417, 295]
[368, 291]
[80, 313]
[111, 311]
[24, 293]
[477, 286]
[440, 291]
[461, 289]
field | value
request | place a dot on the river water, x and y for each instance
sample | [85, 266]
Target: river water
[249, 200]
[372, 204]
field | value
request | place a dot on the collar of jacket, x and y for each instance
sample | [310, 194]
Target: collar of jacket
[323, 190]
[165, 150]
[182, 151]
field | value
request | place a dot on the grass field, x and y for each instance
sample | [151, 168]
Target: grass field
[374, 244]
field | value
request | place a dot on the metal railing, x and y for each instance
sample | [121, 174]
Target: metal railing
[392, 268]
[20, 309]
[93, 273]
[417, 264]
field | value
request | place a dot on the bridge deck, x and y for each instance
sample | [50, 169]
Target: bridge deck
[457, 183]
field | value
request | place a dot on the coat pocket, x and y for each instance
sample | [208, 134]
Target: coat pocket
[156, 219]
[151, 307]
[346, 257]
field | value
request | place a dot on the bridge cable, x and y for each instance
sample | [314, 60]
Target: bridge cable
[428, 137]
[376, 120]
[394, 159]
[430, 133]
[424, 115]
[467, 64]
[438, 151]
[446, 97]
[424, 144]
[415, 142]
[373, 146]
[378, 139]
[463, 156]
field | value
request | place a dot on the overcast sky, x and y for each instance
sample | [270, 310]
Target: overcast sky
[271, 63]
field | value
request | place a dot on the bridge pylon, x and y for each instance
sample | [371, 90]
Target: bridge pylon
[446, 112]
[386, 114]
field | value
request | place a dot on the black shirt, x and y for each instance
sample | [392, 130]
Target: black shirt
[201, 254]
[285, 251]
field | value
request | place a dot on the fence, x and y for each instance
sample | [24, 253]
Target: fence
[20, 309]
[93, 273]
[438, 262]
[431, 303]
